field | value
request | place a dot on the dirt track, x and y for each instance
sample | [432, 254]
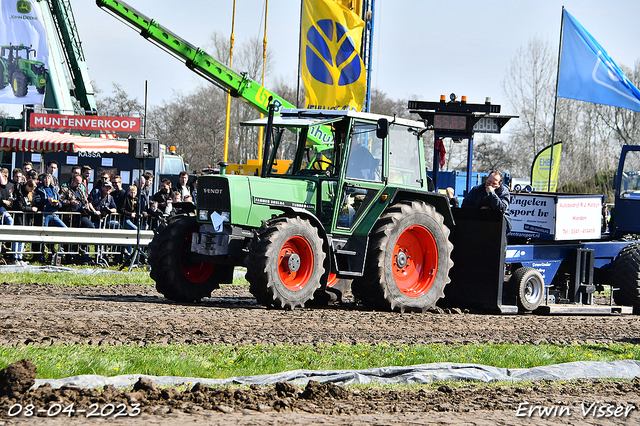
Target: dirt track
[42, 314]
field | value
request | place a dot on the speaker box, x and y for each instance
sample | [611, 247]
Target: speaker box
[143, 148]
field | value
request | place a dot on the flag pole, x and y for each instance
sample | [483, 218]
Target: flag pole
[555, 104]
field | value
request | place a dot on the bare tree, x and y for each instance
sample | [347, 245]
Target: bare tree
[530, 88]
[119, 102]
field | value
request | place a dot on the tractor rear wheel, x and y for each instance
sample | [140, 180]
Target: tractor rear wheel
[177, 277]
[625, 275]
[285, 263]
[529, 286]
[19, 84]
[409, 259]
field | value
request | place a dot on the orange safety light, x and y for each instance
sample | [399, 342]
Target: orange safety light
[172, 149]
[443, 98]
[464, 98]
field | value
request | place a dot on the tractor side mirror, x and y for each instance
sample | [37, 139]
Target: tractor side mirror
[383, 128]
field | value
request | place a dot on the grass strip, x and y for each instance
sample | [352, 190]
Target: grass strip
[71, 279]
[219, 361]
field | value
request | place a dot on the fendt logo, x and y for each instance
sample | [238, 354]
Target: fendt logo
[331, 53]
[23, 6]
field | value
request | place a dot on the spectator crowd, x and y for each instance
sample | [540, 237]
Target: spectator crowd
[30, 198]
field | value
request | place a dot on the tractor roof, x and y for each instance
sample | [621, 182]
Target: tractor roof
[315, 117]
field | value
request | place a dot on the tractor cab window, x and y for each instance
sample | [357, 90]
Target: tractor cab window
[404, 166]
[630, 182]
[285, 146]
[365, 154]
[318, 161]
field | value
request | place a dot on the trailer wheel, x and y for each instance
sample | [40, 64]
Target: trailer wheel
[625, 275]
[19, 84]
[177, 277]
[409, 259]
[529, 284]
[285, 263]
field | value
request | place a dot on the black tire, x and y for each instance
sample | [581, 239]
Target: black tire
[19, 84]
[285, 263]
[625, 275]
[176, 277]
[3, 70]
[409, 259]
[528, 284]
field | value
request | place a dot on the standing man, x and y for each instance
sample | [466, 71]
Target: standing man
[6, 197]
[103, 205]
[26, 166]
[163, 196]
[85, 171]
[182, 186]
[52, 169]
[118, 193]
[18, 177]
[492, 195]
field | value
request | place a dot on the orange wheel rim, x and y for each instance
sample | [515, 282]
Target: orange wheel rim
[295, 263]
[196, 272]
[415, 261]
[332, 280]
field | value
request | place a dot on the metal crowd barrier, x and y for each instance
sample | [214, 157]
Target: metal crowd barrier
[106, 239]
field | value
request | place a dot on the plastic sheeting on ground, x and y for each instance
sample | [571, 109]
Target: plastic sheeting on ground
[423, 373]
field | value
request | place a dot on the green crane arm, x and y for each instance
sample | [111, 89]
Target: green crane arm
[199, 61]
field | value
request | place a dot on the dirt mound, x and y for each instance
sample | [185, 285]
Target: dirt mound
[17, 378]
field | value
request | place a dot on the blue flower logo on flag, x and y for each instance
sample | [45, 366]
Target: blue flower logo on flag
[320, 64]
[332, 71]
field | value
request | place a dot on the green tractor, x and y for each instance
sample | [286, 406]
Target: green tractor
[360, 213]
[18, 70]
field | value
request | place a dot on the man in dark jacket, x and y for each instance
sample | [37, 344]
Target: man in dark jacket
[492, 195]
[6, 197]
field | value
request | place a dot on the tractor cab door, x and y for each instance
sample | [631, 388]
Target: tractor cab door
[627, 201]
[362, 176]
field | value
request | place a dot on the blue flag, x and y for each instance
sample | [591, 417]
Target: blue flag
[587, 72]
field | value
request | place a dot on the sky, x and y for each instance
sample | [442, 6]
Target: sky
[421, 49]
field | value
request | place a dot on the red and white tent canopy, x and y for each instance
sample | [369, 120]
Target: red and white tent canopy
[43, 141]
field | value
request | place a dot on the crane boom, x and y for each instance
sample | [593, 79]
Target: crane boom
[72, 48]
[199, 61]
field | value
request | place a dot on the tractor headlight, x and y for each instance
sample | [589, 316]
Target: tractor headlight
[203, 214]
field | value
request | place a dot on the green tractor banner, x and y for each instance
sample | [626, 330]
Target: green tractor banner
[24, 53]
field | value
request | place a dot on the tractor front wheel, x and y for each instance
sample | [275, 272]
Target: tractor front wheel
[177, 277]
[285, 262]
[409, 259]
[19, 84]
[3, 70]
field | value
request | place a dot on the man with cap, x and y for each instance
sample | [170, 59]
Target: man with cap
[104, 205]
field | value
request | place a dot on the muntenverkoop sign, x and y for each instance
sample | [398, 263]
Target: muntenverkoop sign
[85, 124]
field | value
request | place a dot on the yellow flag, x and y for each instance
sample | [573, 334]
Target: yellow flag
[540, 169]
[332, 69]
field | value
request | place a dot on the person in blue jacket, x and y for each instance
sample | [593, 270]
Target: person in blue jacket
[48, 201]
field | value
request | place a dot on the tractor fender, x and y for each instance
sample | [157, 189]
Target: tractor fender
[323, 234]
[437, 200]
